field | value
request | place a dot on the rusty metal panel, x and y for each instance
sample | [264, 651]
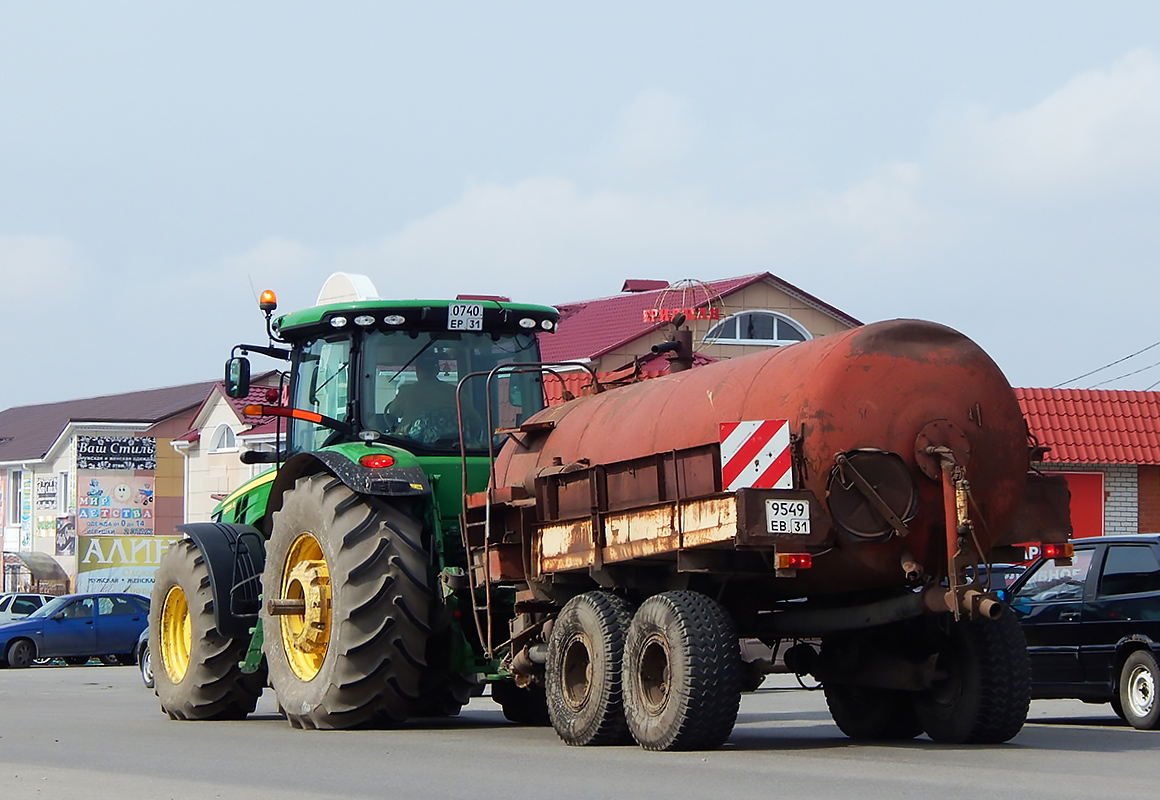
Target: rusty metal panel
[566, 539]
[708, 521]
[634, 483]
[1043, 514]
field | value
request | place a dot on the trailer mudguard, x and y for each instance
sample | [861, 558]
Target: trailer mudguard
[235, 556]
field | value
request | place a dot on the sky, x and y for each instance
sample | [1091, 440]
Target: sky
[993, 166]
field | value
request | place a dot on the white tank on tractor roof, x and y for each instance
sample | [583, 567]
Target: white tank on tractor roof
[345, 287]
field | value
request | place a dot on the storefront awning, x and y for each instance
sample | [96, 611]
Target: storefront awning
[43, 566]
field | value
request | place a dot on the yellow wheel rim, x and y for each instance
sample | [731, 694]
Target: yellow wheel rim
[176, 634]
[306, 579]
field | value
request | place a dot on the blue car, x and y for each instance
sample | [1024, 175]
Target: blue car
[76, 627]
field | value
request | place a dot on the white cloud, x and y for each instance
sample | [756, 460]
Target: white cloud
[33, 265]
[1096, 134]
[655, 138]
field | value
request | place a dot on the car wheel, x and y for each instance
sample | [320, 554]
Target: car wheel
[76, 661]
[145, 663]
[109, 660]
[21, 653]
[1138, 681]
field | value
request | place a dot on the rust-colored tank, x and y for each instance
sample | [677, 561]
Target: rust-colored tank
[902, 387]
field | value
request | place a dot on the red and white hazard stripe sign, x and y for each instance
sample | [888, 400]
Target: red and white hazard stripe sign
[755, 455]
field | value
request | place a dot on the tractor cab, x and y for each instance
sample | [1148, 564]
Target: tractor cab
[431, 377]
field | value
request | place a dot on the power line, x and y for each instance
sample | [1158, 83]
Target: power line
[1128, 375]
[1112, 364]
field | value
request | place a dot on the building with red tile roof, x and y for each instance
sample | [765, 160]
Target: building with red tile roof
[609, 332]
[1107, 443]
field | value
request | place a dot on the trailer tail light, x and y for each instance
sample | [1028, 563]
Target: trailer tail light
[1058, 550]
[377, 461]
[793, 561]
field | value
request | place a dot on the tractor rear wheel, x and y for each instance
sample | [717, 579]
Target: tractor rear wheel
[982, 689]
[349, 646]
[199, 676]
[682, 673]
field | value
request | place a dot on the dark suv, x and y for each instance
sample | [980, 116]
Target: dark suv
[1093, 627]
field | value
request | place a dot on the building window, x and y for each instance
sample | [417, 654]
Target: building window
[15, 496]
[223, 439]
[62, 489]
[767, 328]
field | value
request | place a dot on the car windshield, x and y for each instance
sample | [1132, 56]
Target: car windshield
[49, 608]
[1054, 583]
[407, 387]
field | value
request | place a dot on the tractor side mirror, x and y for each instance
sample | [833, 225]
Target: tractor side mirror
[237, 377]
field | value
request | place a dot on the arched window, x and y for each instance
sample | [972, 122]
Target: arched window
[767, 328]
[223, 439]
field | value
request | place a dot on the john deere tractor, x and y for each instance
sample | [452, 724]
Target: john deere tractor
[338, 577]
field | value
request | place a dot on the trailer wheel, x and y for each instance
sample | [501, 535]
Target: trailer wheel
[1137, 691]
[870, 714]
[199, 676]
[682, 682]
[522, 705]
[982, 689]
[354, 653]
[583, 672]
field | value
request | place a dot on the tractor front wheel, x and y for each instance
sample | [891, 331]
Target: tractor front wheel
[199, 676]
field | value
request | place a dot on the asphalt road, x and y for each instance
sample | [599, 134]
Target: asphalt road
[95, 732]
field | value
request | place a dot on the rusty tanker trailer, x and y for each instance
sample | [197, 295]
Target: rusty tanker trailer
[832, 498]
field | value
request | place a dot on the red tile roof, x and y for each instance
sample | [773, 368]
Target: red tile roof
[260, 394]
[1094, 426]
[591, 328]
[27, 432]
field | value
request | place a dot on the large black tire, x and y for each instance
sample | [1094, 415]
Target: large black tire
[682, 682]
[583, 672]
[982, 690]
[523, 706]
[21, 653]
[444, 694]
[364, 664]
[1137, 691]
[869, 714]
[76, 661]
[198, 676]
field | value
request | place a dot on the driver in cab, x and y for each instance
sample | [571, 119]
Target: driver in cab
[425, 407]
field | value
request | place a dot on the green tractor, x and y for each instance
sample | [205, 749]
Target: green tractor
[339, 576]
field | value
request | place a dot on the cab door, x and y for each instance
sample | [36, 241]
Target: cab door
[1049, 603]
